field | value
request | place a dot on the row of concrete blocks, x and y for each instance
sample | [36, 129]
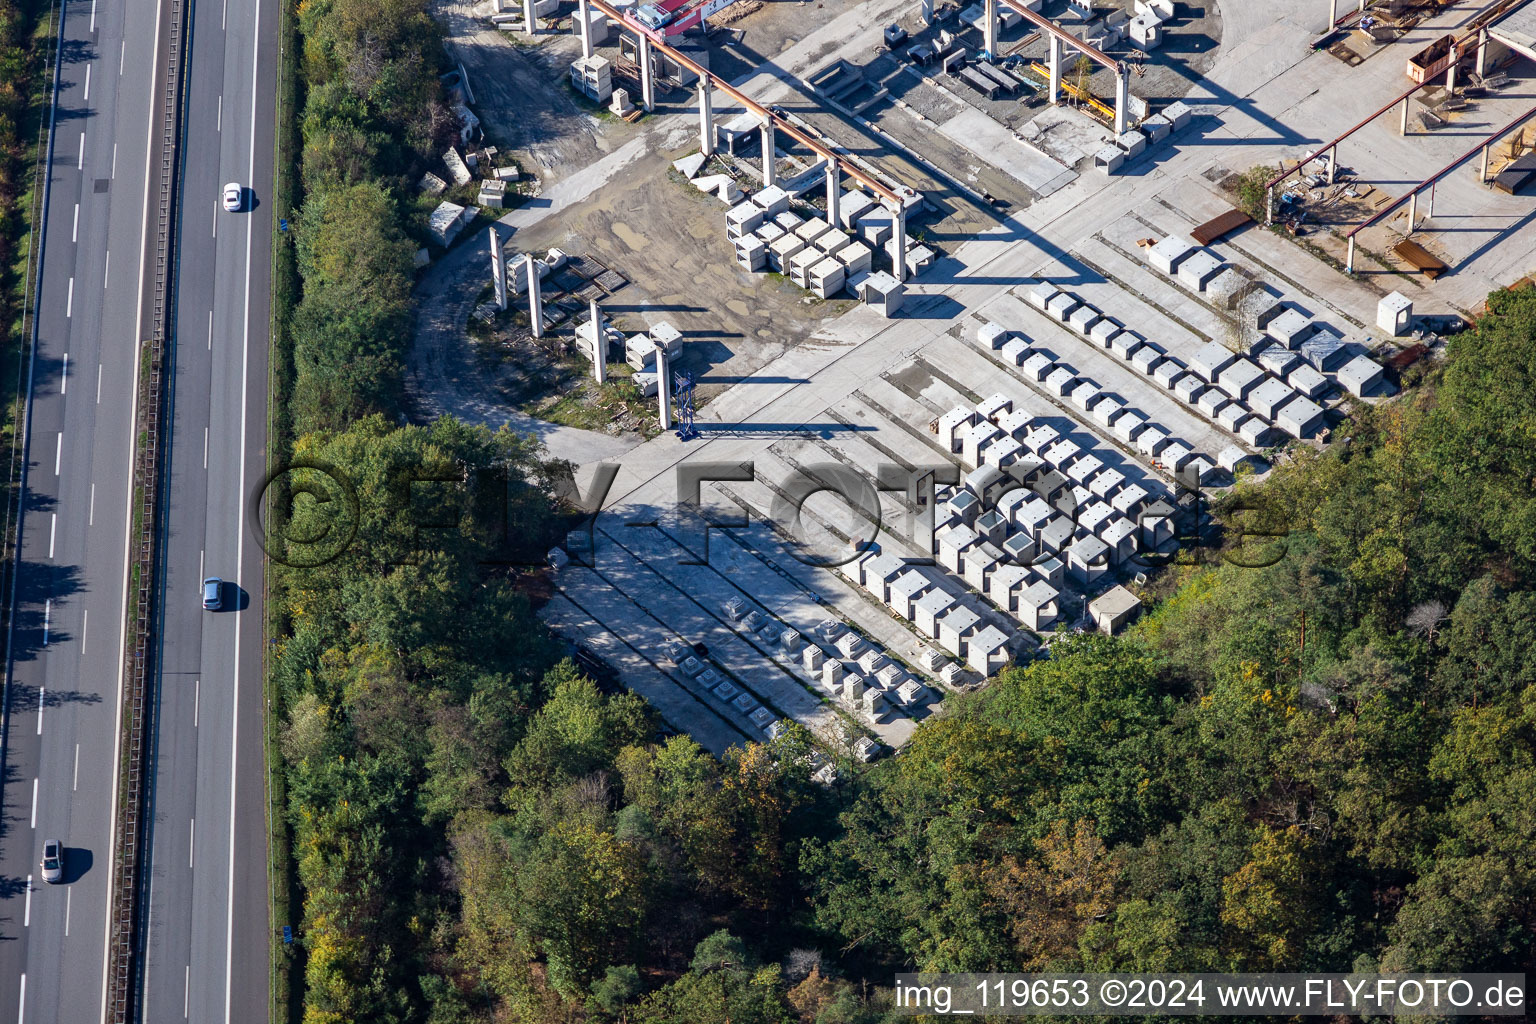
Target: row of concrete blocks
[727, 692]
[1062, 380]
[892, 684]
[952, 620]
[1153, 130]
[1325, 352]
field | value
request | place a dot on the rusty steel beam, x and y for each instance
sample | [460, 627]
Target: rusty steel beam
[1047, 25]
[780, 124]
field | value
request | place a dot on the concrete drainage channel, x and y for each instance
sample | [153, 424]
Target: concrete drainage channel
[129, 834]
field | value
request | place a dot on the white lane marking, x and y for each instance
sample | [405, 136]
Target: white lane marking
[80, 164]
[34, 803]
[58, 455]
[114, 159]
[88, 67]
[74, 232]
[200, 564]
[98, 383]
[26, 912]
[215, 222]
[186, 994]
[53, 532]
[68, 899]
[21, 1011]
[197, 700]
[92, 521]
[47, 614]
[106, 275]
[93, 18]
[122, 53]
[191, 840]
[69, 300]
[42, 700]
[210, 330]
[85, 625]
[75, 788]
[219, 121]
[205, 447]
[64, 377]
[245, 369]
[224, 20]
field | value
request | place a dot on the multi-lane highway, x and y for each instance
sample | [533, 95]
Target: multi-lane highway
[204, 954]
[207, 933]
[67, 642]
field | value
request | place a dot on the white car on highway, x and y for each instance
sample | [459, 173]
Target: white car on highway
[53, 861]
[234, 197]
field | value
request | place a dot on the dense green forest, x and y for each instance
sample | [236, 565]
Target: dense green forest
[1325, 763]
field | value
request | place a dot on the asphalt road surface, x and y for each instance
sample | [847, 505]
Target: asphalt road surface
[206, 951]
[66, 649]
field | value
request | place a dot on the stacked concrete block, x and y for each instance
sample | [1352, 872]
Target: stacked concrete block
[1269, 397]
[875, 227]
[993, 405]
[1108, 159]
[827, 277]
[1129, 501]
[1305, 379]
[1168, 372]
[992, 526]
[978, 563]
[1326, 352]
[1001, 452]
[1038, 366]
[593, 77]
[972, 441]
[1016, 350]
[1132, 142]
[1277, 360]
[1188, 389]
[1176, 456]
[1088, 559]
[1197, 270]
[1083, 318]
[1394, 314]
[855, 258]
[1055, 535]
[952, 544]
[1102, 333]
[1061, 306]
[1169, 253]
[1061, 381]
[872, 661]
[799, 267]
[1230, 416]
[1146, 358]
[1129, 425]
[1092, 516]
[769, 232]
[771, 200]
[1211, 359]
[882, 293]
[1125, 344]
[991, 336]
[1151, 441]
[832, 241]
[1300, 417]
[851, 206]
[1107, 410]
[1290, 328]
[1086, 395]
[952, 427]
[1255, 432]
[1036, 606]
[956, 627]
[1041, 294]
[1361, 376]
[987, 483]
[1005, 583]
[877, 570]
[1211, 402]
[1020, 549]
[783, 249]
[929, 607]
[967, 505]
[790, 222]
[986, 651]
[907, 588]
[752, 253]
[1106, 484]
[1240, 378]
[1178, 115]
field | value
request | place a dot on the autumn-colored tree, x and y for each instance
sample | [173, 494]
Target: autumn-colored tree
[1049, 899]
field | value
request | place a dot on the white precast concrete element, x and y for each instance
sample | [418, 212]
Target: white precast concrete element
[991, 336]
[647, 74]
[907, 588]
[1300, 417]
[1037, 607]
[498, 270]
[663, 388]
[1361, 375]
[1324, 351]
[1278, 361]
[599, 342]
[1198, 269]
[1307, 380]
[834, 176]
[1212, 358]
[770, 162]
[535, 299]
[1289, 328]
[1394, 314]
[1240, 378]
[986, 650]
[1169, 253]
[1268, 397]
[706, 115]
[898, 245]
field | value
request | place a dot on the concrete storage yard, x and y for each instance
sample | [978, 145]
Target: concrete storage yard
[799, 396]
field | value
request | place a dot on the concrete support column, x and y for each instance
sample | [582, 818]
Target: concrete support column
[599, 344]
[1431, 211]
[647, 74]
[1055, 87]
[769, 176]
[1332, 8]
[898, 245]
[1402, 128]
[584, 12]
[1122, 98]
[927, 9]
[535, 300]
[1269, 205]
[1450, 72]
[1333, 164]
[1482, 53]
[1413, 213]
[1349, 262]
[498, 270]
[989, 32]
[1482, 178]
[834, 191]
[706, 116]
[663, 389]
[529, 22]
